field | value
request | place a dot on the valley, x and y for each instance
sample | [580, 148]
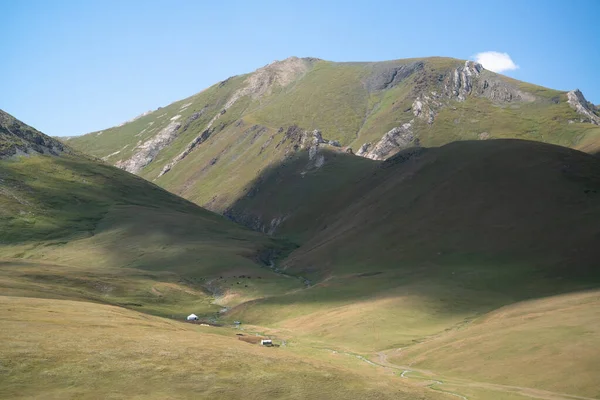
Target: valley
[419, 228]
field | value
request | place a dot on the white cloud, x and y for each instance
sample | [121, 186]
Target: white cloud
[496, 61]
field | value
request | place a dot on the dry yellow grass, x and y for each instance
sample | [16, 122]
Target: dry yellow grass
[551, 344]
[61, 349]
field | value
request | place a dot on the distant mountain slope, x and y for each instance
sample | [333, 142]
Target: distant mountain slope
[208, 147]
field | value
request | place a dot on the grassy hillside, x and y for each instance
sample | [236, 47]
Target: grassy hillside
[236, 129]
[118, 239]
[512, 344]
[71, 227]
[16, 138]
[53, 349]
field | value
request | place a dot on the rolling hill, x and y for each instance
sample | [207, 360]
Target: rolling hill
[209, 147]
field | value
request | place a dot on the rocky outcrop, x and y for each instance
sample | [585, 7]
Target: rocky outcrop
[425, 107]
[364, 149]
[473, 79]
[583, 107]
[278, 73]
[470, 79]
[147, 151]
[17, 138]
[459, 83]
[201, 138]
[393, 141]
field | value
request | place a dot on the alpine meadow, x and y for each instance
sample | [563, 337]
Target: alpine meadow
[419, 228]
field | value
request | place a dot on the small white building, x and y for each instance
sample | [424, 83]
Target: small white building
[266, 342]
[192, 317]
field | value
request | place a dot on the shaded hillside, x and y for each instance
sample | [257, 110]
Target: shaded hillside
[209, 147]
[412, 256]
[499, 200]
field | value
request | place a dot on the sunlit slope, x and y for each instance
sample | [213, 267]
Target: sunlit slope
[57, 349]
[549, 343]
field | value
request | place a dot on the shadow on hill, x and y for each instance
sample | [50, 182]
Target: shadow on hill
[507, 218]
[110, 217]
[294, 197]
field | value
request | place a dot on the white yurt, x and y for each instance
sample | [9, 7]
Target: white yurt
[192, 317]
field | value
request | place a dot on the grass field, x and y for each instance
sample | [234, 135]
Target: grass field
[59, 349]
[559, 335]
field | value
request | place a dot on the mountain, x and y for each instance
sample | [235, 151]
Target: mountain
[209, 147]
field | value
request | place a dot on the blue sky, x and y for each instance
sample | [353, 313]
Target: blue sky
[71, 67]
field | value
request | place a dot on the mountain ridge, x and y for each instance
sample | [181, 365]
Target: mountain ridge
[372, 109]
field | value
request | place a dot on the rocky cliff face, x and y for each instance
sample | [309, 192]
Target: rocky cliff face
[583, 107]
[398, 138]
[470, 79]
[17, 138]
[148, 150]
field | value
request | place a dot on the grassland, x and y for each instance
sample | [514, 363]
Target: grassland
[558, 335]
[59, 349]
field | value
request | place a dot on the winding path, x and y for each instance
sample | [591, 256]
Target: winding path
[382, 361]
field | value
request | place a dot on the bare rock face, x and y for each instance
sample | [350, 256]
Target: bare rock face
[425, 106]
[583, 107]
[471, 79]
[364, 149]
[281, 73]
[460, 82]
[394, 140]
[147, 151]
